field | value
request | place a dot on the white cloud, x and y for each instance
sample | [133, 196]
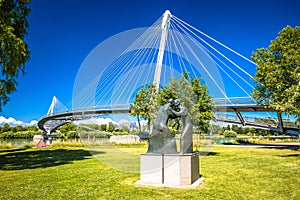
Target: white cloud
[13, 122]
[32, 123]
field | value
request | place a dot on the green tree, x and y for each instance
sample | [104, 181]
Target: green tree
[67, 127]
[18, 129]
[110, 127]
[6, 127]
[144, 104]
[229, 133]
[103, 127]
[14, 51]
[193, 95]
[278, 72]
[32, 128]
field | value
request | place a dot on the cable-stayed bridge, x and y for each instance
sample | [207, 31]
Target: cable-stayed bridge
[116, 69]
[230, 112]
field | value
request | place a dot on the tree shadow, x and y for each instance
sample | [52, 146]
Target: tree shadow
[206, 153]
[280, 146]
[41, 158]
[12, 150]
[291, 155]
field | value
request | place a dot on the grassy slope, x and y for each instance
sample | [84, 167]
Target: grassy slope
[72, 173]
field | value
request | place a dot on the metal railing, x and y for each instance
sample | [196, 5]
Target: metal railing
[234, 100]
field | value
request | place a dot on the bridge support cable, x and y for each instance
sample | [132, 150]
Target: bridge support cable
[216, 41]
[56, 106]
[192, 36]
[227, 74]
[219, 52]
[206, 70]
[183, 46]
[118, 69]
[139, 54]
[166, 49]
[240, 68]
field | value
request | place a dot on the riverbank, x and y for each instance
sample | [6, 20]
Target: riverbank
[198, 141]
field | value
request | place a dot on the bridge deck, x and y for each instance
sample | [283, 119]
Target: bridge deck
[241, 108]
[51, 122]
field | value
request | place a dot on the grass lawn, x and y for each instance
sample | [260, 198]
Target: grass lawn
[111, 173]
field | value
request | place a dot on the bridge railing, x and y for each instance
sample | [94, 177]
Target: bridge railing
[249, 119]
[256, 120]
[95, 108]
[234, 100]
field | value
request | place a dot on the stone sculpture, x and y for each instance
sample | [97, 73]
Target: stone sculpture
[186, 139]
[162, 140]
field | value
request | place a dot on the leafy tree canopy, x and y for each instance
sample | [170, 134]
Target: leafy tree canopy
[13, 49]
[192, 94]
[278, 72]
[144, 103]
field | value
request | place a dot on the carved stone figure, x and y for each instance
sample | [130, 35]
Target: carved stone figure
[162, 140]
[186, 140]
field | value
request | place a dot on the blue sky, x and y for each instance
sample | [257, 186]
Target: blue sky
[63, 32]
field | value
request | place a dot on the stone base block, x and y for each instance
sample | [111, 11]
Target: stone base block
[169, 169]
[151, 168]
[182, 169]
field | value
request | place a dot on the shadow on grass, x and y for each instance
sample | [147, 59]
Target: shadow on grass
[268, 146]
[291, 155]
[205, 153]
[41, 158]
[12, 150]
[280, 146]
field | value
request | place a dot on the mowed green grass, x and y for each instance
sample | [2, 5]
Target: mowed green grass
[73, 173]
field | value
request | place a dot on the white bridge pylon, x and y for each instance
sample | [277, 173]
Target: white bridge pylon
[165, 26]
[56, 106]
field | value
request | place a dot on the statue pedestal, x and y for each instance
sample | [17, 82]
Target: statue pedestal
[152, 168]
[172, 170]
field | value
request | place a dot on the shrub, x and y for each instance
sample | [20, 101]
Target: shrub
[230, 133]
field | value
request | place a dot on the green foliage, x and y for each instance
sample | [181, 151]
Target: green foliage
[103, 127]
[21, 134]
[14, 51]
[229, 133]
[193, 95]
[9, 132]
[144, 103]
[278, 72]
[5, 128]
[32, 128]
[72, 134]
[67, 127]
[121, 132]
[110, 127]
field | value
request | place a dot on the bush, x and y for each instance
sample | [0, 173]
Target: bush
[230, 133]
[72, 134]
[20, 134]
